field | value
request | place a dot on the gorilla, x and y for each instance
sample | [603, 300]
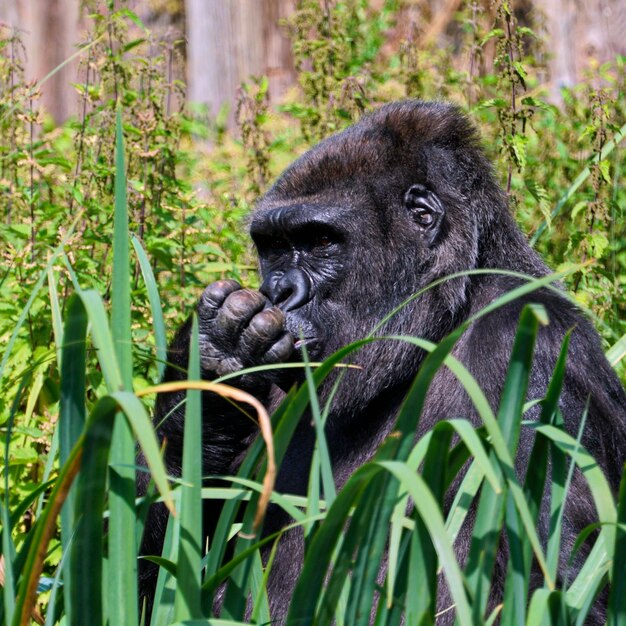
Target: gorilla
[349, 231]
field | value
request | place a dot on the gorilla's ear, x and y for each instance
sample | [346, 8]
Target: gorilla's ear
[426, 210]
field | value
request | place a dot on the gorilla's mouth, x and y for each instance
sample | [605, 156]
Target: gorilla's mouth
[303, 332]
[306, 341]
[312, 345]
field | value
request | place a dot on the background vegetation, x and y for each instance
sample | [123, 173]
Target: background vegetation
[182, 193]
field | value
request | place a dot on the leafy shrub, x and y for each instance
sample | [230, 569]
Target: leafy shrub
[64, 256]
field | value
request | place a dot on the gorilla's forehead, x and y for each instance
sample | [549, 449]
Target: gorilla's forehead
[350, 161]
[403, 143]
[275, 216]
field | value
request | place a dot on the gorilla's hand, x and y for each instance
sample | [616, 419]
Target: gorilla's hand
[239, 329]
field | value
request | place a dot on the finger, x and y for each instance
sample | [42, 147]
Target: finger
[280, 351]
[263, 330]
[236, 312]
[213, 297]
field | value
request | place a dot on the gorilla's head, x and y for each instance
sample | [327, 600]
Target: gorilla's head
[371, 215]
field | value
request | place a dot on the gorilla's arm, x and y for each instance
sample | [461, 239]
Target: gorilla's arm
[238, 328]
[486, 351]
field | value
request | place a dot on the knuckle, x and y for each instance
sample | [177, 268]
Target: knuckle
[267, 323]
[243, 302]
[229, 365]
[214, 295]
[281, 350]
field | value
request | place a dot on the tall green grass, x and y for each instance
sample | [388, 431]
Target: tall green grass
[348, 534]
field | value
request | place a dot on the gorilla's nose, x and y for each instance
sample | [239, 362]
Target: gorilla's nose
[288, 291]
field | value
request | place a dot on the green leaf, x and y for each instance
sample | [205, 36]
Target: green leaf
[617, 594]
[579, 180]
[122, 587]
[158, 324]
[617, 351]
[605, 170]
[187, 599]
[72, 416]
[490, 512]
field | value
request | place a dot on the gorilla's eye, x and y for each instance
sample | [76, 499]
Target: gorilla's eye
[323, 241]
[270, 245]
[426, 210]
[424, 217]
[277, 243]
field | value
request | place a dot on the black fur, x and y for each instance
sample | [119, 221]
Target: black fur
[350, 230]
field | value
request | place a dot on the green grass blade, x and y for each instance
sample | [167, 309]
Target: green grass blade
[72, 402]
[519, 573]
[516, 583]
[259, 590]
[538, 609]
[397, 522]
[490, 512]
[617, 351]
[122, 587]
[8, 553]
[102, 339]
[617, 595]
[71, 416]
[158, 325]
[87, 551]
[210, 622]
[284, 501]
[603, 500]
[187, 600]
[163, 607]
[310, 584]
[463, 499]
[557, 503]
[430, 512]
[590, 590]
[314, 491]
[57, 318]
[39, 538]
[8, 547]
[538, 460]
[421, 604]
[467, 433]
[371, 522]
[321, 446]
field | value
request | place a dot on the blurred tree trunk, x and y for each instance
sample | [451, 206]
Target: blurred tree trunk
[49, 31]
[230, 40]
[582, 34]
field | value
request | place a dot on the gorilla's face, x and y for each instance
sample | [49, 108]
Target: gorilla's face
[303, 255]
[363, 221]
[320, 260]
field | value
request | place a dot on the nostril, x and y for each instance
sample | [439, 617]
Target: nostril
[283, 295]
[288, 291]
[295, 288]
[270, 287]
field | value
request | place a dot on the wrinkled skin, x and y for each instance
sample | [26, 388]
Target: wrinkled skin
[358, 224]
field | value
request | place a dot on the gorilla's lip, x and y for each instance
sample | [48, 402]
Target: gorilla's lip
[305, 341]
[312, 345]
